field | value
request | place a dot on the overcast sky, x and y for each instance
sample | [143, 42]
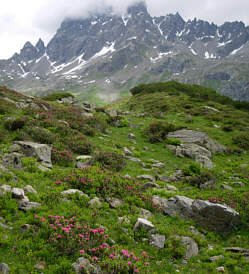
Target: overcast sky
[28, 20]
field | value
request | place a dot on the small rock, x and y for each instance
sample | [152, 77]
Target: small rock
[159, 165]
[124, 220]
[137, 160]
[127, 152]
[226, 187]
[238, 184]
[84, 158]
[193, 230]
[143, 223]
[208, 185]
[24, 205]
[29, 189]
[149, 185]
[95, 203]
[4, 268]
[216, 258]
[128, 177]
[5, 188]
[25, 227]
[43, 168]
[171, 188]
[131, 136]
[40, 266]
[157, 240]
[145, 214]
[114, 202]
[146, 177]
[72, 192]
[82, 165]
[221, 269]
[5, 227]
[18, 193]
[145, 148]
[83, 265]
[192, 247]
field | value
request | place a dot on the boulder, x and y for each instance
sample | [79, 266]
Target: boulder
[131, 136]
[216, 217]
[145, 214]
[25, 205]
[12, 160]
[83, 265]
[18, 193]
[29, 189]
[198, 138]
[95, 203]
[145, 224]
[114, 202]
[191, 248]
[146, 177]
[41, 152]
[4, 268]
[149, 185]
[157, 240]
[127, 152]
[216, 258]
[84, 158]
[5, 188]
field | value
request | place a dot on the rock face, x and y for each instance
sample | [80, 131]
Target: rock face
[196, 145]
[215, 217]
[41, 152]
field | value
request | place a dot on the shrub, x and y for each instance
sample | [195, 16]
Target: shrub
[158, 131]
[193, 169]
[79, 144]
[173, 141]
[57, 96]
[15, 123]
[40, 135]
[110, 159]
[202, 177]
[242, 140]
[63, 158]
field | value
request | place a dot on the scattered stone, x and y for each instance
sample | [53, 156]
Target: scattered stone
[145, 214]
[216, 258]
[149, 185]
[193, 230]
[84, 158]
[12, 160]
[124, 220]
[131, 136]
[25, 227]
[127, 176]
[237, 250]
[238, 184]
[137, 160]
[221, 269]
[145, 148]
[5, 188]
[216, 217]
[171, 188]
[4, 268]
[5, 227]
[159, 165]
[41, 152]
[244, 165]
[15, 148]
[40, 266]
[226, 187]
[95, 203]
[192, 248]
[114, 202]
[43, 168]
[82, 165]
[143, 223]
[18, 193]
[25, 205]
[177, 176]
[72, 192]
[157, 240]
[29, 189]
[83, 265]
[127, 152]
[146, 177]
[208, 108]
[211, 184]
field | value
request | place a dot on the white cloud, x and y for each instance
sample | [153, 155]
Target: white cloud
[28, 20]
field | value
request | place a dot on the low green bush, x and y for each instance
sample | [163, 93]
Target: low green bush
[242, 140]
[15, 123]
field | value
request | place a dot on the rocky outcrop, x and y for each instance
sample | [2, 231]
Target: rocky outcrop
[195, 145]
[41, 152]
[83, 265]
[216, 217]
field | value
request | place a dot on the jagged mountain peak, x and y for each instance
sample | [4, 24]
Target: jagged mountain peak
[137, 8]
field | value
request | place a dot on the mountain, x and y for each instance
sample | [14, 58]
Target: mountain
[103, 56]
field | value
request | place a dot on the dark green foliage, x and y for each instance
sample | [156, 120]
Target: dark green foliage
[193, 169]
[201, 177]
[173, 141]
[40, 135]
[158, 131]
[110, 159]
[242, 140]
[57, 96]
[6, 107]
[63, 158]
[15, 123]
[79, 144]
[194, 91]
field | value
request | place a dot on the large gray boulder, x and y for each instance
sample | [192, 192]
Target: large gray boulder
[41, 152]
[199, 138]
[215, 217]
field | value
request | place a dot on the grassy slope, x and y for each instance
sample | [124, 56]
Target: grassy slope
[22, 251]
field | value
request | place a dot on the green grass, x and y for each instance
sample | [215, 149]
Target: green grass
[23, 250]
